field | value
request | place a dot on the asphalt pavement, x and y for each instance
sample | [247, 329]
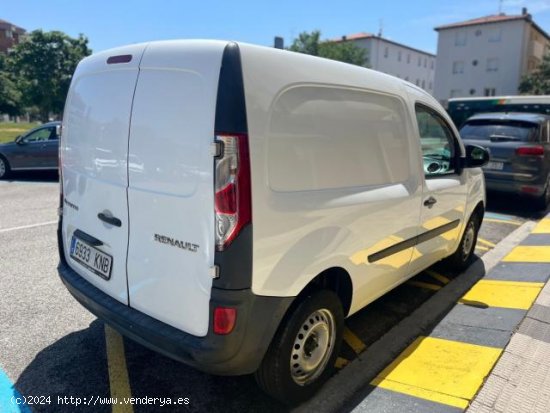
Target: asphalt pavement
[52, 347]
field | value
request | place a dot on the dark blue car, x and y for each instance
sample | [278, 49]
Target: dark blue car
[36, 149]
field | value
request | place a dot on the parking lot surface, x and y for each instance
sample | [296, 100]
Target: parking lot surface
[52, 347]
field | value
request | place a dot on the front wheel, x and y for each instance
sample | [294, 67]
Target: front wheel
[4, 167]
[462, 257]
[302, 354]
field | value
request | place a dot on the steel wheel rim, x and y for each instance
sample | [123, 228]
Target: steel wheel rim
[469, 238]
[312, 347]
[2, 168]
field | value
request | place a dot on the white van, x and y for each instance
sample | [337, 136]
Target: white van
[228, 205]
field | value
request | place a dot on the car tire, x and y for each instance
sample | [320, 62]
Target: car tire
[4, 167]
[302, 355]
[464, 254]
[542, 202]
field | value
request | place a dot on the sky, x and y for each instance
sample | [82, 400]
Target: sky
[114, 23]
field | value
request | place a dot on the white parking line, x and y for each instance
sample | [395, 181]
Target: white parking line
[27, 226]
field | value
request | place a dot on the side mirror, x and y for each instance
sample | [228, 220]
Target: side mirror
[19, 140]
[476, 156]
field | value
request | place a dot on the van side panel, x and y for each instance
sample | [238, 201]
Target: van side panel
[171, 183]
[315, 205]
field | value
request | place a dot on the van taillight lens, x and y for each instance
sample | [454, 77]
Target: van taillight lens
[530, 151]
[232, 200]
[224, 320]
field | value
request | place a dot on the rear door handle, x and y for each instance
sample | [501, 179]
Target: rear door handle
[110, 220]
[430, 202]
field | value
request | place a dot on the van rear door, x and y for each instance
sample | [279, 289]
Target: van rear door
[94, 168]
[171, 183]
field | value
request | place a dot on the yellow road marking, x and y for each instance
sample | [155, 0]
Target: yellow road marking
[437, 276]
[527, 253]
[443, 371]
[118, 372]
[502, 221]
[482, 248]
[341, 362]
[353, 341]
[505, 294]
[422, 284]
[484, 241]
[543, 227]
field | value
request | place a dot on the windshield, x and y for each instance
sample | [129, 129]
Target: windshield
[499, 131]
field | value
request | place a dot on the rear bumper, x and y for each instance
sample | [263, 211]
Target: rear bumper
[515, 187]
[239, 352]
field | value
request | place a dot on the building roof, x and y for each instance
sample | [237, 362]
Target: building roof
[493, 18]
[364, 35]
[4, 24]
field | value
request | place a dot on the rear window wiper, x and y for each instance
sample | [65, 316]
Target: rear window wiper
[500, 138]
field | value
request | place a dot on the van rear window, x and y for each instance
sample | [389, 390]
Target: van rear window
[326, 138]
[499, 131]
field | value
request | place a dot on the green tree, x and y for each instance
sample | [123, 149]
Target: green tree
[538, 82]
[310, 43]
[43, 65]
[10, 97]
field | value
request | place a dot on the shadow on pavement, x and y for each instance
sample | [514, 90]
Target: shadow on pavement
[33, 176]
[513, 205]
[76, 365]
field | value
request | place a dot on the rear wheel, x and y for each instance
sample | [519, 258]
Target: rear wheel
[462, 257]
[302, 354]
[4, 167]
[544, 200]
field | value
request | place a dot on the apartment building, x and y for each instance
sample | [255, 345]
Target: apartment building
[405, 62]
[10, 35]
[487, 56]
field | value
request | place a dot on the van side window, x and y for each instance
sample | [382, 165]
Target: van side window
[438, 143]
[330, 137]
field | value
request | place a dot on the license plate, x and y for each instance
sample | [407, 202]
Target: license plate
[91, 258]
[494, 165]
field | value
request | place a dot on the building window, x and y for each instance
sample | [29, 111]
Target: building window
[495, 35]
[456, 93]
[407, 78]
[490, 91]
[423, 84]
[408, 58]
[460, 38]
[458, 67]
[417, 82]
[432, 64]
[9, 34]
[425, 62]
[430, 86]
[419, 61]
[386, 51]
[399, 56]
[492, 64]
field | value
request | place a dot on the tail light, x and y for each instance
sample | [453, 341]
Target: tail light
[232, 200]
[224, 320]
[530, 151]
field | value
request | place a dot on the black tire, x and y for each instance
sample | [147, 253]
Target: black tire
[4, 167]
[542, 202]
[463, 256]
[309, 320]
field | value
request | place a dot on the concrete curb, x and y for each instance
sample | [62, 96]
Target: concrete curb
[351, 385]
